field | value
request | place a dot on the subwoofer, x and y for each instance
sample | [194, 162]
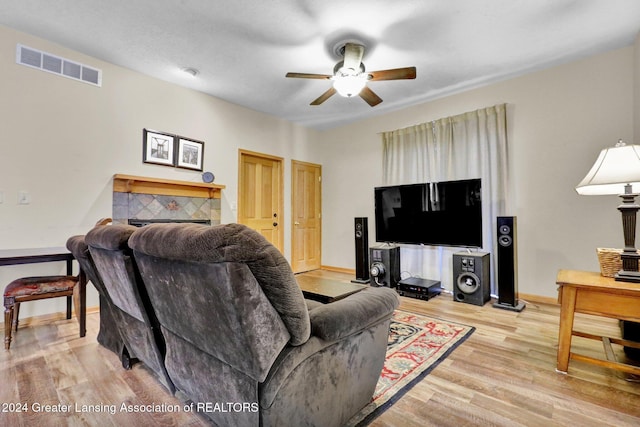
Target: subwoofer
[631, 332]
[361, 236]
[507, 265]
[385, 266]
[471, 278]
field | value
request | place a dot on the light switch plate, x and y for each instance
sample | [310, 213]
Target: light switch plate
[24, 197]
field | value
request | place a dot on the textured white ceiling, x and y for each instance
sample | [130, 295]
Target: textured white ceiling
[244, 48]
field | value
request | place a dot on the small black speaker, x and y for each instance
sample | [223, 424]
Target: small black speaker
[507, 274]
[385, 266]
[471, 278]
[361, 236]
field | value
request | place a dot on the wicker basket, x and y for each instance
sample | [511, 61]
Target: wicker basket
[610, 262]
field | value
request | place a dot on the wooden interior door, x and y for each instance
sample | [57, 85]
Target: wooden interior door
[260, 195]
[306, 201]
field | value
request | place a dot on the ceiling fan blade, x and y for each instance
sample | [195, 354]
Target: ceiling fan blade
[309, 76]
[394, 74]
[370, 97]
[353, 56]
[328, 94]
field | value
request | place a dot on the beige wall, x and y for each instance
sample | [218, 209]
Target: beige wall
[559, 119]
[63, 140]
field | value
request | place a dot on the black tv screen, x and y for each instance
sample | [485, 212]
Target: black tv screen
[445, 213]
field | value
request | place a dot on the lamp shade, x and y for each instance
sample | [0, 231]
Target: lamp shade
[614, 168]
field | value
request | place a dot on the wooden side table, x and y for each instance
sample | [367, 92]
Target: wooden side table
[591, 293]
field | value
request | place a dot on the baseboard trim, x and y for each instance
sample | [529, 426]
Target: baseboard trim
[338, 269]
[47, 318]
[525, 297]
[50, 317]
[538, 299]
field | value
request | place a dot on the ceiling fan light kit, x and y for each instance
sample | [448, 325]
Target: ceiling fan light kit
[349, 85]
[350, 79]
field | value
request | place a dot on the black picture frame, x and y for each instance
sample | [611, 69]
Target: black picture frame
[189, 153]
[158, 148]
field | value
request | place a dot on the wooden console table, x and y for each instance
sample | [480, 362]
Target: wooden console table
[38, 255]
[591, 293]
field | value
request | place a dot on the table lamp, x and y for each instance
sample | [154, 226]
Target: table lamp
[617, 171]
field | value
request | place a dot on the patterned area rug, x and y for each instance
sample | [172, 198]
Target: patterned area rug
[417, 344]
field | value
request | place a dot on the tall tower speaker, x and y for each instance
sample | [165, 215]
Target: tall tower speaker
[385, 266]
[361, 236]
[471, 278]
[507, 275]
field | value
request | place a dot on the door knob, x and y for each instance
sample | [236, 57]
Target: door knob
[296, 223]
[275, 224]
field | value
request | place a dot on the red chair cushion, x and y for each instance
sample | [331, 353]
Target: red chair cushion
[39, 285]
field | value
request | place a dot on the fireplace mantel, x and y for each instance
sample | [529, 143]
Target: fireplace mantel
[167, 187]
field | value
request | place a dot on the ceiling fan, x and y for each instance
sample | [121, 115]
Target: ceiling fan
[350, 78]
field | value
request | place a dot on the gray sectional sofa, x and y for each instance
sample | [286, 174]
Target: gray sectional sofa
[228, 323]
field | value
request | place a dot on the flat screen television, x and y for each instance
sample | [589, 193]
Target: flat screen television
[445, 213]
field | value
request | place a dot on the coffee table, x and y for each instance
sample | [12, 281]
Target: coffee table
[326, 290]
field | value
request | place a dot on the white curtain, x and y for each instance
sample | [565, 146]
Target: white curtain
[466, 146]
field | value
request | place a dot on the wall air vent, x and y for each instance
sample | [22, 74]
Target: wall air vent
[44, 61]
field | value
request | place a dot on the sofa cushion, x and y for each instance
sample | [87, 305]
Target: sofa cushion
[347, 316]
[108, 246]
[234, 243]
[112, 238]
[109, 333]
[78, 247]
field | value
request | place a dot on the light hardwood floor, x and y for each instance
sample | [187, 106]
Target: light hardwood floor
[503, 375]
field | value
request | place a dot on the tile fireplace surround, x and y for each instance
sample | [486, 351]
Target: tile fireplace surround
[145, 198]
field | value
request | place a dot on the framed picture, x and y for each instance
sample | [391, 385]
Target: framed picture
[189, 154]
[158, 147]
